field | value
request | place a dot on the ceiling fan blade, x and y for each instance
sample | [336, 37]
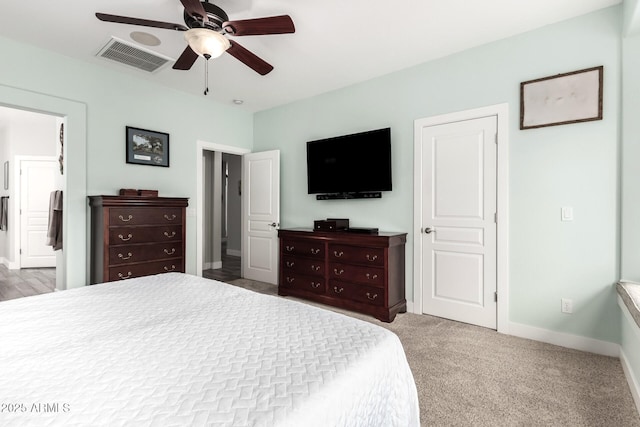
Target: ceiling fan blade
[194, 8]
[186, 60]
[137, 21]
[249, 59]
[282, 24]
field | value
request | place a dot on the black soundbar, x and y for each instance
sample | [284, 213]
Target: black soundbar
[362, 230]
[338, 196]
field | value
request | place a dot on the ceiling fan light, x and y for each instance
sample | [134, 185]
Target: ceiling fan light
[206, 42]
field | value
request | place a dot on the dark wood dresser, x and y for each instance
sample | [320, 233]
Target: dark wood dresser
[134, 236]
[359, 272]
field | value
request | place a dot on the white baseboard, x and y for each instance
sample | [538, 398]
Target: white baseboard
[629, 373]
[562, 339]
[234, 252]
[631, 379]
[212, 265]
[410, 307]
[9, 264]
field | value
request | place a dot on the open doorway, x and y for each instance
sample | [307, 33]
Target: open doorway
[29, 146]
[222, 234]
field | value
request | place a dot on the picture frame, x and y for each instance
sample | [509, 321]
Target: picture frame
[561, 99]
[6, 175]
[147, 147]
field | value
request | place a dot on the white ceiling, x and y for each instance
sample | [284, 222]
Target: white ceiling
[337, 43]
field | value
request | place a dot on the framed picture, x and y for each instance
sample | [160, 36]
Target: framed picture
[147, 147]
[561, 99]
[6, 175]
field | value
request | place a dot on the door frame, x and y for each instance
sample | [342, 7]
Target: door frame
[75, 272]
[201, 147]
[501, 112]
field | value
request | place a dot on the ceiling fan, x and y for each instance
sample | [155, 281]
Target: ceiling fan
[205, 32]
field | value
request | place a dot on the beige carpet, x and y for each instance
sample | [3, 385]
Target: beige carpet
[472, 376]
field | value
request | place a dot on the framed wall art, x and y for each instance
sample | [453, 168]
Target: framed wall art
[147, 147]
[561, 99]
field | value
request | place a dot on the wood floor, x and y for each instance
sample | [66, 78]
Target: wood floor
[26, 282]
[230, 269]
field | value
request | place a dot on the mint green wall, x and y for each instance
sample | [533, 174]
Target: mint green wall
[630, 268]
[630, 200]
[114, 100]
[572, 165]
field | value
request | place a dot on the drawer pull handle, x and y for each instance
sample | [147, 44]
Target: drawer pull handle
[169, 218]
[122, 276]
[372, 257]
[372, 297]
[173, 234]
[337, 290]
[290, 263]
[338, 272]
[170, 252]
[125, 239]
[291, 279]
[289, 248]
[315, 267]
[315, 251]
[338, 254]
[129, 218]
[125, 257]
[315, 285]
[173, 268]
[371, 277]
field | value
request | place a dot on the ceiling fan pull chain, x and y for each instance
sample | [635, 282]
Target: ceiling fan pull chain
[206, 77]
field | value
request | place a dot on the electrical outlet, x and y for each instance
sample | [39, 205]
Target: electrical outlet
[567, 305]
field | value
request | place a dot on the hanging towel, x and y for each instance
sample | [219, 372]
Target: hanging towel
[4, 209]
[54, 233]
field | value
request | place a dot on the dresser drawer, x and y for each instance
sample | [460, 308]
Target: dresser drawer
[136, 270]
[355, 292]
[309, 266]
[138, 216]
[358, 255]
[293, 280]
[126, 254]
[128, 235]
[372, 276]
[308, 248]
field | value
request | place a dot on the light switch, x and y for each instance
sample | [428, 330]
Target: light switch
[567, 214]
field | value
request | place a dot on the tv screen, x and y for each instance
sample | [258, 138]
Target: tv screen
[355, 163]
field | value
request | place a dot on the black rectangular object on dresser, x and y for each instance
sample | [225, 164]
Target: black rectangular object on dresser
[363, 230]
[331, 224]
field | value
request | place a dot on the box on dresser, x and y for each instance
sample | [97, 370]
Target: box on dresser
[134, 236]
[359, 272]
[331, 224]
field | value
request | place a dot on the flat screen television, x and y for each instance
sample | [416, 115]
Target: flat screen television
[350, 164]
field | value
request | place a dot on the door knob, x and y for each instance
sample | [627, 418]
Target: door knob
[429, 230]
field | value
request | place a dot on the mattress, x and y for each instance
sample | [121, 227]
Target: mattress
[176, 350]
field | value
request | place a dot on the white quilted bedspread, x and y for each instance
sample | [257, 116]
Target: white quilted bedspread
[179, 350]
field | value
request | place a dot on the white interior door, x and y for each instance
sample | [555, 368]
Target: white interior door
[37, 181]
[261, 215]
[459, 220]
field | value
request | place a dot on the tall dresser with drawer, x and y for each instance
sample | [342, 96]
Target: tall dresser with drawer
[359, 272]
[133, 236]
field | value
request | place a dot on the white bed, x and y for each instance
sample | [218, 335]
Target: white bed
[175, 349]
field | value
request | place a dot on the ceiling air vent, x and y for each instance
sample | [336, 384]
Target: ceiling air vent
[133, 56]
